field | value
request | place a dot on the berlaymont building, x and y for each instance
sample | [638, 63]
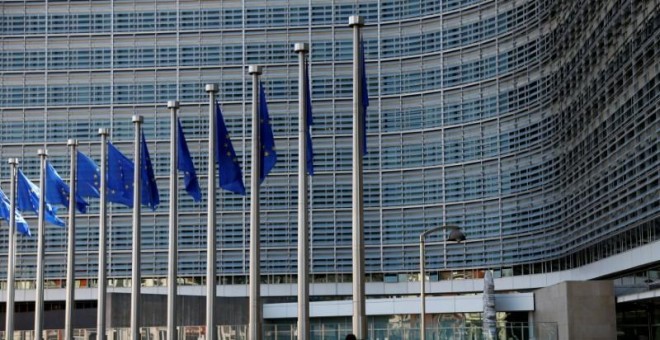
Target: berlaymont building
[531, 124]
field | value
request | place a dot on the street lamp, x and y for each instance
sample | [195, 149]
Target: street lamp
[455, 235]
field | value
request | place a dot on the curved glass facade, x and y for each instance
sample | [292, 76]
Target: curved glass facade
[532, 124]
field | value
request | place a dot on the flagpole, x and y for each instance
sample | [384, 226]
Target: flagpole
[173, 221]
[39, 300]
[359, 310]
[136, 281]
[11, 257]
[211, 89]
[71, 247]
[254, 331]
[100, 316]
[303, 233]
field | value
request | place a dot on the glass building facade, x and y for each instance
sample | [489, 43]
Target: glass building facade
[531, 124]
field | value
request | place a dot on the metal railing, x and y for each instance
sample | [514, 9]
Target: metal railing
[319, 331]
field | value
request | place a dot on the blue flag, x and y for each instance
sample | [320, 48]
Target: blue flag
[231, 177]
[308, 129]
[89, 177]
[149, 189]
[268, 155]
[120, 177]
[365, 97]
[58, 192]
[28, 200]
[186, 165]
[5, 208]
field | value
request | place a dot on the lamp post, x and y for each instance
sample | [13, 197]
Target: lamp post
[455, 235]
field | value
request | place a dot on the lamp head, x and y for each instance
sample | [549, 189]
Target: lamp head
[456, 235]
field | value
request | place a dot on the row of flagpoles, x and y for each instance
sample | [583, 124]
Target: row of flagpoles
[122, 181]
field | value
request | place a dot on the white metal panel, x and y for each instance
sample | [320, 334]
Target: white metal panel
[436, 304]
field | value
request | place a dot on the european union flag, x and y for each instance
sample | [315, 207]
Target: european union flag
[150, 195]
[5, 208]
[268, 155]
[58, 192]
[28, 200]
[365, 97]
[308, 128]
[120, 177]
[231, 177]
[186, 165]
[89, 177]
